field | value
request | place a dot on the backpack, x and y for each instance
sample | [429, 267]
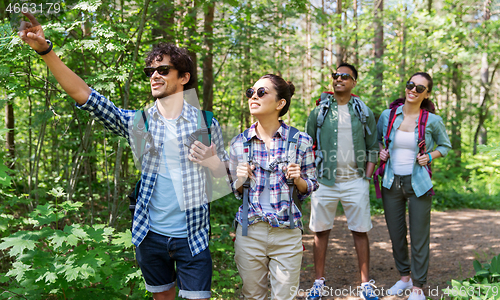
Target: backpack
[422, 123]
[291, 156]
[360, 110]
[202, 134]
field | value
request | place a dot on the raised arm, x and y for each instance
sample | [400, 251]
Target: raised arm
[32, 34]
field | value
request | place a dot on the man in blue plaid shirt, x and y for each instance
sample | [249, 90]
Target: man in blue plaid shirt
[171, 222]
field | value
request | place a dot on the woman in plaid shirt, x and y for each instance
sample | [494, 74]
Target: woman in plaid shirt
[270, 244]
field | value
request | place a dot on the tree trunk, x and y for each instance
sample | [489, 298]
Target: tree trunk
[402, 64]
[485, 83]
[379, 50]
[9, 139]
[117, 195]
[356, 28]
[340, 47]
[192, 33]
[322, 43]
[208, 60]
[164, 14]
[456, 120]
[308, 83]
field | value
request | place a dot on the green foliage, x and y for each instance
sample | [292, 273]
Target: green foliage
[485, 285]
[493, 150]
[78, 262]
[476, 184]
[95, 38]
[225, 278]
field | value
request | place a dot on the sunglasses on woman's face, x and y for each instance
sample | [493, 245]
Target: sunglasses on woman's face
[410, 85]
[260, 92]
[162, 70]
[343, 76]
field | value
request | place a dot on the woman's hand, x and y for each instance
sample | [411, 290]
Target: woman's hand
[292, 171]
[384, 154]
[423, 159]
[244, 171]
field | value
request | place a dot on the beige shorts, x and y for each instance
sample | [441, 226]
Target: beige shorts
[355, 198]
[269, 250]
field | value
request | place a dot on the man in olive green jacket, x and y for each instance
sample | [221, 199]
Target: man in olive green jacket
[350, 152]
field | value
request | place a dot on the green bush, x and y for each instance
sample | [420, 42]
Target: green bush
[225, 278]
[77, 262]
[485, 285]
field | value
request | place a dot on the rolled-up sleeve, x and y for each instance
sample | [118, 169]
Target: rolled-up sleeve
[308, 167]
[441, 138]
[218, 140]
[114, 119]
[371, 139]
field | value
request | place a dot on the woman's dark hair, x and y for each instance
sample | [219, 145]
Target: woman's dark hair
[285, 90]
[427, 103]
[179, 58]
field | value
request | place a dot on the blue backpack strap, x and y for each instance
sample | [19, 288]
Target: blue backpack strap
[291, 153]
[247, 156]
[206, 133]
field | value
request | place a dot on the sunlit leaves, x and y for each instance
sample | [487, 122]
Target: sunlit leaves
[89, 6]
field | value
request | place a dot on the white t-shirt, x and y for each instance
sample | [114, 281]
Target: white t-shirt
[403, 152]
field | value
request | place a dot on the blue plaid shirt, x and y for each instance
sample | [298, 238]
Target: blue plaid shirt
[120, 122]
[280, 193]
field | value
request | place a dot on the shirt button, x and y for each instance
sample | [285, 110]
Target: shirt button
[151, 186]
[335, 130]
[335, 144]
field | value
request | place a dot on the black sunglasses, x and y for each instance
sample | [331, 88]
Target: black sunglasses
[343, 76]
[162, 70]
[419, 88]
[260, 92]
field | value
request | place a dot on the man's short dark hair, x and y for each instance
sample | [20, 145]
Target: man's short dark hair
[179, 58]
[353, 69]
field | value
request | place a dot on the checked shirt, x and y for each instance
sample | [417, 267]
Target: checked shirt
[280, 196]
[120, 122]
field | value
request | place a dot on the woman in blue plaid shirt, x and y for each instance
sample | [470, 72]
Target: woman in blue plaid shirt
[270, 243]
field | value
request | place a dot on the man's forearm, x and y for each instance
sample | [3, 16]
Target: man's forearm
[69, 81]
[369, 169]
[219, 169]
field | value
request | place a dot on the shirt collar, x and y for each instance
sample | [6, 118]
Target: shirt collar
[280, 133]
[399, 110]
[350, 100]
[188, 112]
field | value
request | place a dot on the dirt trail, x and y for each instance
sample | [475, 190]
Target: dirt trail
[457, 238]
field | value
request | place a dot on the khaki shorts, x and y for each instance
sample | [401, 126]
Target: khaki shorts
[355, 198]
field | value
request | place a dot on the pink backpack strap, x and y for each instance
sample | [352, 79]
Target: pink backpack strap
[381, 169]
